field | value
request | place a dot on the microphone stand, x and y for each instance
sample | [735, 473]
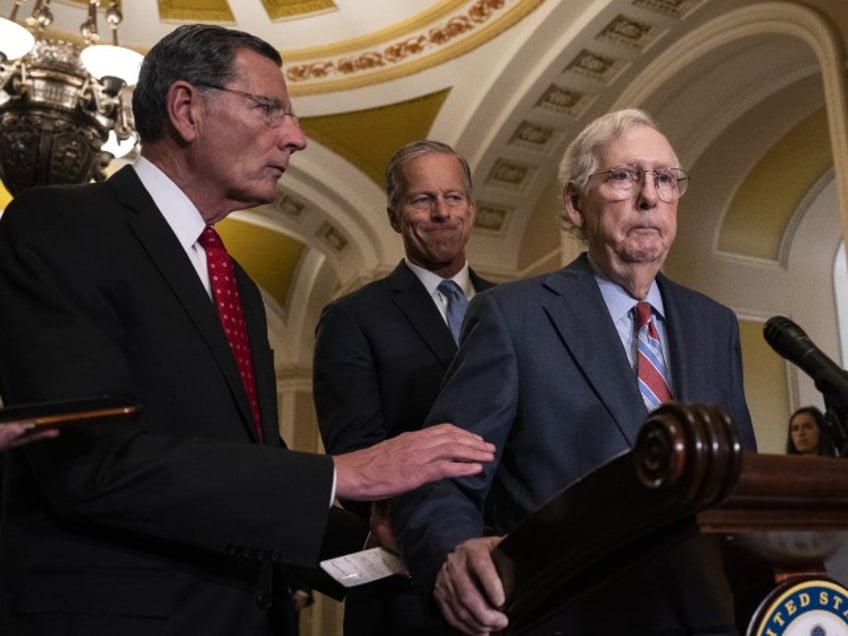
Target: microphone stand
[836, 408]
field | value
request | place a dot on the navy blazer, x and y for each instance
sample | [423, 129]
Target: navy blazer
[542, 374]
[170, 522]
[380, 355]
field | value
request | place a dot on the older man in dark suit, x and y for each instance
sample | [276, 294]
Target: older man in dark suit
[550, 370]
[186, 518]
[381, 351]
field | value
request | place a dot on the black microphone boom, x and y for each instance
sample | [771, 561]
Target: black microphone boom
[790, 341]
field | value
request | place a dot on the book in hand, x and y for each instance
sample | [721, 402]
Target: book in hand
[66, 412]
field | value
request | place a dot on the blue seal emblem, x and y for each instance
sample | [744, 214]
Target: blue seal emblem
[806, 607]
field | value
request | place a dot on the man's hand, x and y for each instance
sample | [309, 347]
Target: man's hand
[12, 435]
[402, 463]
[468, 589]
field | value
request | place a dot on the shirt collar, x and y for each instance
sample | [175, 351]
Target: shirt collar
[431, 281]
[180, 213]
[620, 302]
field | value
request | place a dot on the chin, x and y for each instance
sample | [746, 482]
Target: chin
[260, 196]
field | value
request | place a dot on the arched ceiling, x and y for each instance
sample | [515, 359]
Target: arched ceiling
[508, 83]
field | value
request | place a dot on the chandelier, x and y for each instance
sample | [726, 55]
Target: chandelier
[65, 109]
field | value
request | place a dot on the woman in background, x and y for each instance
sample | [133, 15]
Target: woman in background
[808, 433]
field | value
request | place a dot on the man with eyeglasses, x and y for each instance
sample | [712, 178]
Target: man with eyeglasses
[189, 518]
[548, 369]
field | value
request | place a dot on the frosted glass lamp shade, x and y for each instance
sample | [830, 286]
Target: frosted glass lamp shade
[15, 40]
[106, 60]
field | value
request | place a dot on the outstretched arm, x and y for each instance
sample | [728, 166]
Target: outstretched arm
[409, 460]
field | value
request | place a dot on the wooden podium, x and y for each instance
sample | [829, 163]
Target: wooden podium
[776, 517]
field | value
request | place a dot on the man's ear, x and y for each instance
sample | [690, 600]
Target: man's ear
[573, 202]
[182, 103]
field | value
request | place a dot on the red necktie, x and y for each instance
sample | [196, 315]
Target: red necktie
[650, 366]
[223, 282]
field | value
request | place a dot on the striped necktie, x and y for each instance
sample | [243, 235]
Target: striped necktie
[650, 365]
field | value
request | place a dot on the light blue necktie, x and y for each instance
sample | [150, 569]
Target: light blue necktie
[457, 304]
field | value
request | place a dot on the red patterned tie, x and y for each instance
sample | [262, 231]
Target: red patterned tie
[650, 366]
[224, 289]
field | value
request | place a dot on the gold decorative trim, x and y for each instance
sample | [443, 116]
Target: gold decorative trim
[286, 9]
[492, 218]
[628, 32]
[332, 237]
[597, 67]
[439, 11]
[565, 101]
[290, 206]
[454, 37]
[677, 9]
[533, 136]
[510, 175]
[207, 11]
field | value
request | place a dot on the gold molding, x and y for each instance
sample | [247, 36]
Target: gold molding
[196, 11]
[456, 36]
[287, 9]
[419, 21]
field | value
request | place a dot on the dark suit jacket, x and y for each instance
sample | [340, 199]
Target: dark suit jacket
[542, 374]
[380, 355]
[170, 522]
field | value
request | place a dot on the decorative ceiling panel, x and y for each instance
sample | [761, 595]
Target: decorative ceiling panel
[196, 11]
[409, 48]
[282, 9]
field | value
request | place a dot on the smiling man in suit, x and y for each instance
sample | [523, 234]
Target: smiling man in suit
[186, 518]
[381, 351]
[549, 370]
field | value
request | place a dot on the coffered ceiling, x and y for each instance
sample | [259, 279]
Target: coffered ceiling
[508, 83]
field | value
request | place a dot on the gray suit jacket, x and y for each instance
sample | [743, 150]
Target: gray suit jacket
[542, 374]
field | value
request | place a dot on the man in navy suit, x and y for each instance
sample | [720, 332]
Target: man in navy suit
[184, 519]
[381, 351]
[547, 371]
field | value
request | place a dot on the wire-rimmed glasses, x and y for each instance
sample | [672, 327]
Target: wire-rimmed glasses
[670, 183]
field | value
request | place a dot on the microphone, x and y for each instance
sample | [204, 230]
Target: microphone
[790, 341]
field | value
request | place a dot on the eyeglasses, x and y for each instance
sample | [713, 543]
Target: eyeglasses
[670, 183]
[273, 110]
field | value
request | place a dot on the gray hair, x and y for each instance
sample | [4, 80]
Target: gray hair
[196, 53]
[395, 183]
[581, 160]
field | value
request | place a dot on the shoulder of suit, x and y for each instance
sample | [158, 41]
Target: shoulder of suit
[368, 294]
[686, 296]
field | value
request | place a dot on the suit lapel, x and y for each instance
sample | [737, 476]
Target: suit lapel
[412, 299]
[580, 316]
[167, 254]
[261, 354]
[685, 376]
